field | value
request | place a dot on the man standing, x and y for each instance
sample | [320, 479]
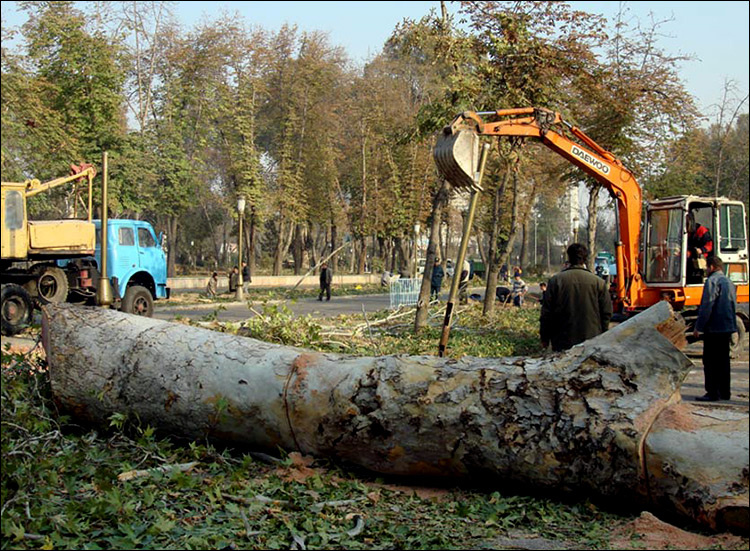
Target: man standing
[325, 281]
[576, 305]
[717, 321]
[234, 277]
[436, 281]
[519, 290]
[246, 279]
[463, 282]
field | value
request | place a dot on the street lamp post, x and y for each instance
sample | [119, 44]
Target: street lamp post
[241, 211]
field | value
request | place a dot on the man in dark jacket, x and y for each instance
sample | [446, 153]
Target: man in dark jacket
[436, 281]
[325, 281]
[576, 305]
[717, 320]
[246, 279]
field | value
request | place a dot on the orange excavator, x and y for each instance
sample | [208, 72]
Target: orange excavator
[652, 252]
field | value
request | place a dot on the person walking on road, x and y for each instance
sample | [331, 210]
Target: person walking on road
[246, 279]
[717, 320]
[576, 306]
[326, 277]
[436, 281]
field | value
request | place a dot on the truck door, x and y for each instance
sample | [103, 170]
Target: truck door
[150, 254]
[14, 238]
[124, 255]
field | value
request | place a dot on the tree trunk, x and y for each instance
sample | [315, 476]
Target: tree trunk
[602, 420]
[172, 246]
[251, 242]
[298, 247]
[438, 203]
[362, 259]
[494, 264]
[523, 256]
[592, 210]
[334, 246]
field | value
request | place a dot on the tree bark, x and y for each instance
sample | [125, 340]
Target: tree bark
[592, 209]
[493, 252]
[602, 420]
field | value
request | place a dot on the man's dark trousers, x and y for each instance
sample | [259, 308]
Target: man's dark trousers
[716, 364]
[325, 290]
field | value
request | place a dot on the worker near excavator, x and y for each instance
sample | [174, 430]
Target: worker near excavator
[717, 320]
[577, 305]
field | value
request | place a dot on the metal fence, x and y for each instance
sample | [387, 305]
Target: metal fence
[404, 292]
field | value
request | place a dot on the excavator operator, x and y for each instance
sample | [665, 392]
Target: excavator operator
[700, 249]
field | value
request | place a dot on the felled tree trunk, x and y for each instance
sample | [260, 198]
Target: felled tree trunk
[602, 420]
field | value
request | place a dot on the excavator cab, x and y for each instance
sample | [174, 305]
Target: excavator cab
[683, 232]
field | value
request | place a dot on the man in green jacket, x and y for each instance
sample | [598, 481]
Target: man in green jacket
[576, 306]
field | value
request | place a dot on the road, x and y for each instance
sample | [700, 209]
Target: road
[238, 311]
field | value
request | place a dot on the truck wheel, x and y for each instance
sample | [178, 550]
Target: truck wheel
[738, 339]
[16, 309]
[52, 285]
[138, 301]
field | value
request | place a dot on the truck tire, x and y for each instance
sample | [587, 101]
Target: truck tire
[52, 285]
[138, 301]
[16, 309]
[738, 339]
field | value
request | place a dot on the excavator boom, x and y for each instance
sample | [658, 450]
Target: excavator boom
[455, 158]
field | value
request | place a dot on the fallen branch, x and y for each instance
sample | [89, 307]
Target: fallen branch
[181, 467]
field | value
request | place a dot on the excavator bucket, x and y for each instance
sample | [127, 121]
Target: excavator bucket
[456, 155]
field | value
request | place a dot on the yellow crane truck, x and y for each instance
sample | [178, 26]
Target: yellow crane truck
[54, 261]
[30, 248]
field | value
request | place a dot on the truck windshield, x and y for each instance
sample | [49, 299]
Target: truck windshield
[664, 246]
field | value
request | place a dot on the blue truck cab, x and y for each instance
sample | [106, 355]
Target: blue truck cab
[136, 267]
[136, 264]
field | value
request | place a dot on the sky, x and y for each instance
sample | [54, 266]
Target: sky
[716, 34]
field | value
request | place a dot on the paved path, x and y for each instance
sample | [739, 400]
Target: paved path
[740, 386]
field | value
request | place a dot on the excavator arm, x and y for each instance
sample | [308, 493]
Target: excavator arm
[456, 150]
